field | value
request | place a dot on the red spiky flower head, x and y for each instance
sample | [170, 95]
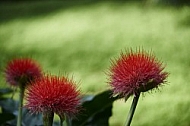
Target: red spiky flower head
[21, 70]
[54, 95]
[136, 72]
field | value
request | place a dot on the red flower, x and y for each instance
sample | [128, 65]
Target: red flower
[53, 94]
[136, 72]
[21, 71]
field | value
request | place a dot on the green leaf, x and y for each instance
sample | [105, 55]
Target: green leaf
[31, 119]
[28, 119]
[4, 91]
[97, 110]
[9, 105]
[10, 110]
[4, 117]
[101, 118]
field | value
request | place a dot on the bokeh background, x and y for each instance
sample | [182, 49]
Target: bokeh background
[79, 38]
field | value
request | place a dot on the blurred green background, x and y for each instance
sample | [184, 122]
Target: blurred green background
[80, 38]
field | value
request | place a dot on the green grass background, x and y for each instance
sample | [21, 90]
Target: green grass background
[79, 39]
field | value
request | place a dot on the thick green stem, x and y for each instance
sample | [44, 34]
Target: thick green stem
[64, 120]
[21, 97]
[48, 118]
[67, 121]
[132, 110]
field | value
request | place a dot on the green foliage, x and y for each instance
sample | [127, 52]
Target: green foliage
[93, 113]
[175, 2]
[7, 111]
[97, 110]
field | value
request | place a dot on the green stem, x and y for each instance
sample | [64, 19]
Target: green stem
[64, 120]
[48, 118]
[67, 120]
[132, 110]
[21, 96]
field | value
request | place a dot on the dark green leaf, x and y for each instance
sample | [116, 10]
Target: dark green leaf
[28, 119]
[4, 91]
[31, 119]
[96, 111]
[4, 117]
[101, 118]
[9, 105]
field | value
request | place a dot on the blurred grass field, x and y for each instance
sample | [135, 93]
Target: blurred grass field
[80, 39]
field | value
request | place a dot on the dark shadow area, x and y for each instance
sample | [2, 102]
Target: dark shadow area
[176, 3]
[185, 22]
[10, 10]
[19, 9]
[25, 9]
